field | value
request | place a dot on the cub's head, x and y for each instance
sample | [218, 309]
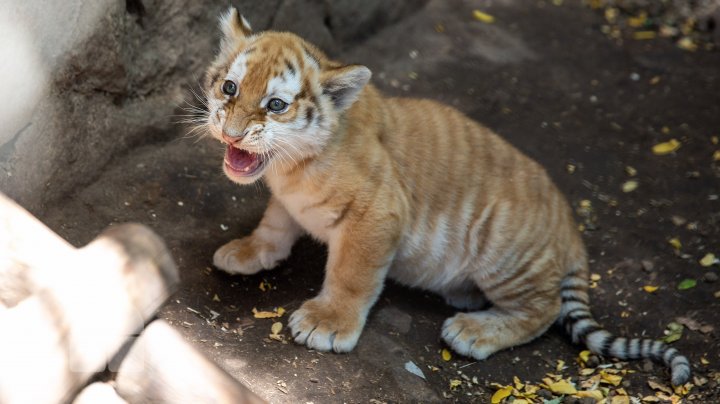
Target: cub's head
[274, 99]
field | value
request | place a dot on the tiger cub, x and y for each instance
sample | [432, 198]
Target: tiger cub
[406, 188]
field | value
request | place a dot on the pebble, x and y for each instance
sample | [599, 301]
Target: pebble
[648, 265]
[546, 394]
[710, 277]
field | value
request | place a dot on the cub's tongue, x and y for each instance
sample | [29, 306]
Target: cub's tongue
[241, 160]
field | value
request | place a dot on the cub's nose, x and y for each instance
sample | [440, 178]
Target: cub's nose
[231, 137]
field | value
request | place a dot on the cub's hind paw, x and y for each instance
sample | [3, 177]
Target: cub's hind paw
[322, 327]
[239, 256]
[466, 336]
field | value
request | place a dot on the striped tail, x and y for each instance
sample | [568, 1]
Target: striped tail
[575, 316]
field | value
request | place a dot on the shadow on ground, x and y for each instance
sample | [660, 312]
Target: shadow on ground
[546, 79]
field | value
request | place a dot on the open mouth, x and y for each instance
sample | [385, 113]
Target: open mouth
[243, 163]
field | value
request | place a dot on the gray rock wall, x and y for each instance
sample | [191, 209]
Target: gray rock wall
[85, 81]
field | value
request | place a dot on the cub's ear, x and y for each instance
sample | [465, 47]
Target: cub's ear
[343, 84]
[234, 28]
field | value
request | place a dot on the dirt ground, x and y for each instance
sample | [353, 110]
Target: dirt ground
[547, 79]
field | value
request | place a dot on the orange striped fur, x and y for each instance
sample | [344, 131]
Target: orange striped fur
[406, 188]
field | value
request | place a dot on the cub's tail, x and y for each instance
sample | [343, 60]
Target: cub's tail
[576, 318]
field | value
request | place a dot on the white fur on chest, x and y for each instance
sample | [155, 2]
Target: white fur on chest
[316, 220]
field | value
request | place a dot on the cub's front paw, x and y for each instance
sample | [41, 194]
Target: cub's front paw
[321, 325]
[240, 256]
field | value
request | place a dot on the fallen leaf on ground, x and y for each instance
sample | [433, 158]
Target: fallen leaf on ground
[687, 284]
[708, 260]
[610, 378]
[278, 312]
[675, 242]
[499, 395]
[629, 186]
[643, 35]
[596, 394]
[483, 17]
[657, 386]
[666, 147]
[562, 387]
[455, 383]
[631, 171]
[446, 356]
[673, 332]
[650, 289]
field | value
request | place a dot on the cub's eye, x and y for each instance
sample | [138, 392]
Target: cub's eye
[229, 87]
[276, 105]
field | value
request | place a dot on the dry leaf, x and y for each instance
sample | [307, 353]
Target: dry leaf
[629, 186]
[276, 328]
[708, 260]
[483, 17]
[657, 386]
[455, 383]
[716, 155]
[631, 171]
[499, 395]
[596, 394]
[666, 147]
[278, 312]
[562, 387]
[675, 242]
[446, 356]
[643, 35]
[620, 400]
[650, 289]
[610, 378]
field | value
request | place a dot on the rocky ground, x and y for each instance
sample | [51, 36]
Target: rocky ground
[628, 127]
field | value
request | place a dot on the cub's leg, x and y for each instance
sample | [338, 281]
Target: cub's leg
[268, 244]
[523, 308]
[359, 256]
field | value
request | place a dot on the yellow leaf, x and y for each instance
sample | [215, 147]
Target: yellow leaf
[666, 147]
[675, 242]
[499, 395]
[715, 139]
[708, 260]
[518, 384]
[521, 401]
[455, 383]
[629, 186]
[446, 356]
[631, 171]
[704, 361]
[651, 399]
[642, 35]
[268, 314]
[657, 386]
[560, 365]
[276, 328]
[587, 371]
[483, 17]
[596, 394]
[584, 356]
[562, 387]
[595, 277]
[620, 400]
[609, 378]
[585, 204]
[716, 155]
[650, 289]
